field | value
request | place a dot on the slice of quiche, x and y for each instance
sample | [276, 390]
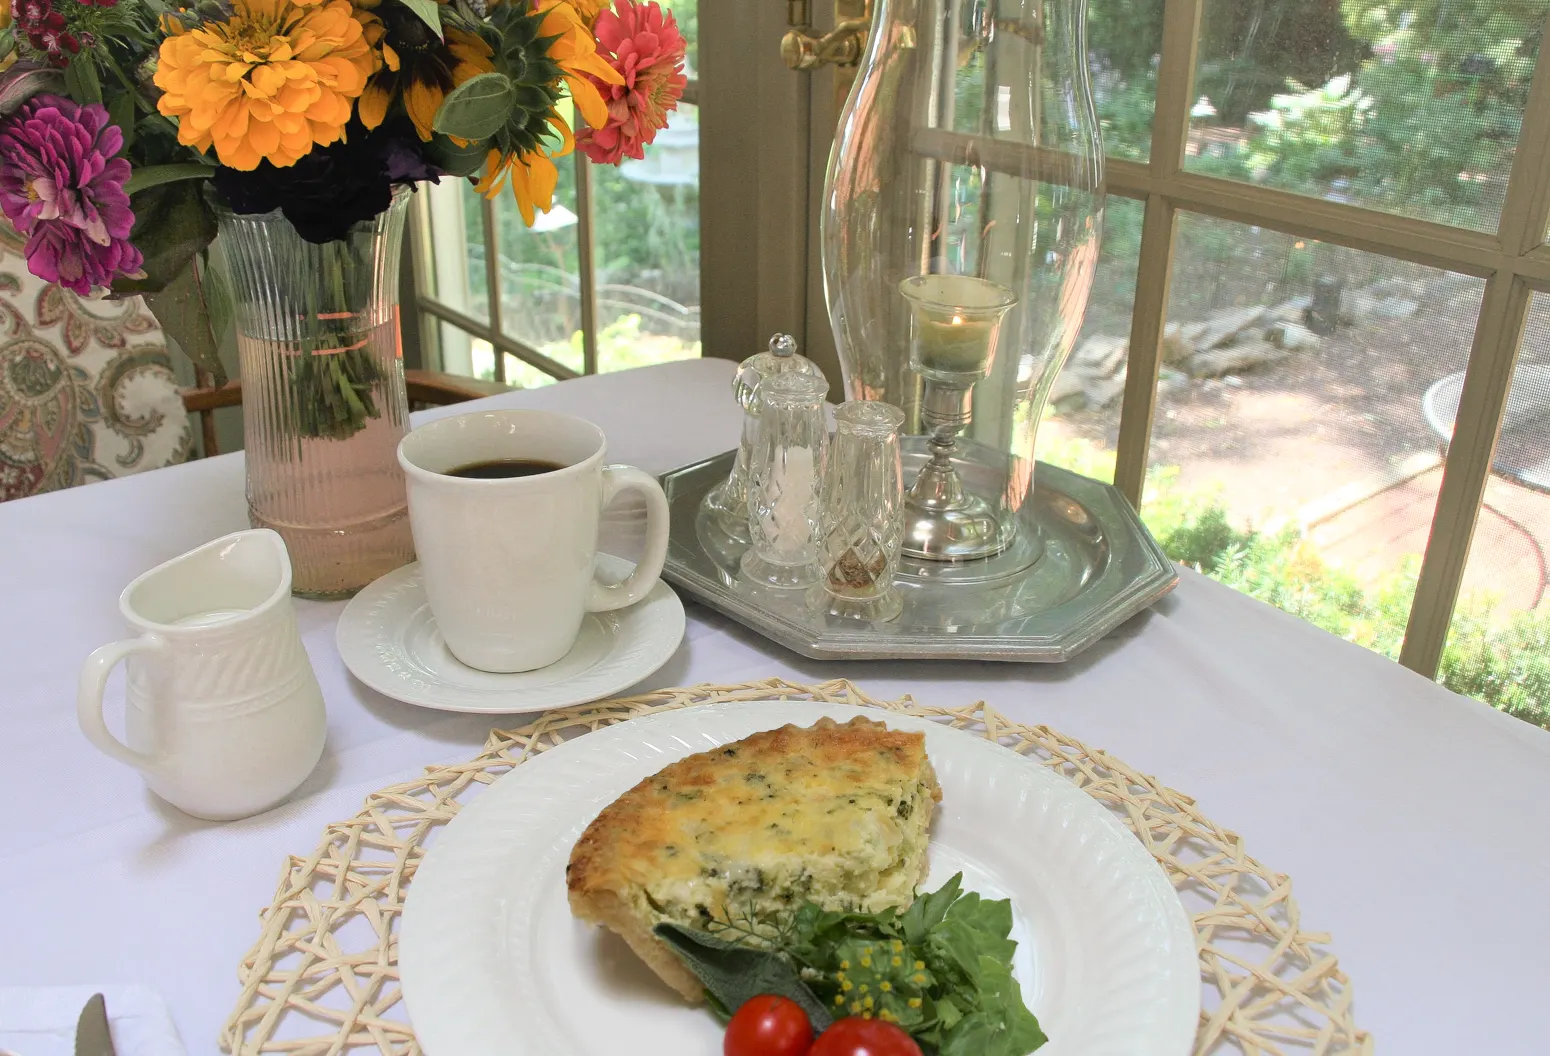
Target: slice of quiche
[833, 814]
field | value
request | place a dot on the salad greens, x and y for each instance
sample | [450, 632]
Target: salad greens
[941, 970]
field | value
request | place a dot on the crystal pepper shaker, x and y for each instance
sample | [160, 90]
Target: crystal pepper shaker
[727, 502]
[784, 518]
[863, 515]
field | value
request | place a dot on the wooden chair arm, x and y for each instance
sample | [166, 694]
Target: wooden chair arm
[211, 397]
[425, 388]
[433, 388]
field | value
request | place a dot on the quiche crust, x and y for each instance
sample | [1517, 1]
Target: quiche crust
[833, 814]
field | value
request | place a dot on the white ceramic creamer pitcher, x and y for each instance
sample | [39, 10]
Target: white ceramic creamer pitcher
[223, 716]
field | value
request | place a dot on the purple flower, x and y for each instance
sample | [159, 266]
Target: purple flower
[62, 186]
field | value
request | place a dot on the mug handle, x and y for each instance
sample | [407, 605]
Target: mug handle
[88, 699]
[604, 596]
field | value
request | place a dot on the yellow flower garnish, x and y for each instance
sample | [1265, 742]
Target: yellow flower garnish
[276, 79]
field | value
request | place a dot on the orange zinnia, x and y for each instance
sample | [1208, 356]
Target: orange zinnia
[276, 79]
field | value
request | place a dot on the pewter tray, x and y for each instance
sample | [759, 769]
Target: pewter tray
[1098, 567]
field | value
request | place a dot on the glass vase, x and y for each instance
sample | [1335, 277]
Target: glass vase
[962, 211]
[324, 404]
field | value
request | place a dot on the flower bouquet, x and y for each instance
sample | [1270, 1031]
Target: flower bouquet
[134, 132]
[130, 128]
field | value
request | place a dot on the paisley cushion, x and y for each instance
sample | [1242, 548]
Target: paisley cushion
[86, 386]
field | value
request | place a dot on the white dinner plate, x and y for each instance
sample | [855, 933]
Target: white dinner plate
[389, 640]
[492, 961]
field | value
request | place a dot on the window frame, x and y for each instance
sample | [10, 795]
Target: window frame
[1514, 261]
[433, 311]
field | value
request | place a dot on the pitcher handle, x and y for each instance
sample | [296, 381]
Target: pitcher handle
[604, 596]
[88, 699]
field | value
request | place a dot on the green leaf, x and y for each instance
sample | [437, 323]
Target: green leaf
[184, 316]
[734, 973]
[121, 111]
[173, 223]
[428, 10]
[927, 911]
[146, 177]
[477, 108]
[455, 160]
[24, 80]
[81, 81]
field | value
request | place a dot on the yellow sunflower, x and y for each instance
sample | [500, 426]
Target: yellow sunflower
[532, 175]
[276, 79]
[589, 9]
[419, 66]
[574, 50]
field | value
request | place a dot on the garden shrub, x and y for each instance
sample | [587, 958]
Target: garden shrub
[1502, 661]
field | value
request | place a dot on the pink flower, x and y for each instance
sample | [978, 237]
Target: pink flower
[641, 42]
[62, 186]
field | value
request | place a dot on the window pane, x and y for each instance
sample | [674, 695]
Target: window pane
[1124, 39]
[457, 264]
[540, 280]
[687, 14]
[1411, 108]
[1293, 458]
[1081, 424]
[646, 243]
[1498, 647]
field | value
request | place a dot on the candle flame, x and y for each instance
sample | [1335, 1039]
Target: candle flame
[957, 320]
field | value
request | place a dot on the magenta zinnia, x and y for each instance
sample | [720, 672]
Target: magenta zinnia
[643, 44]
[62, 185]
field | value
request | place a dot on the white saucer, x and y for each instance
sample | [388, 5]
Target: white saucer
[389, 640]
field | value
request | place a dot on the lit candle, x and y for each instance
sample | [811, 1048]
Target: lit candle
[957, 321]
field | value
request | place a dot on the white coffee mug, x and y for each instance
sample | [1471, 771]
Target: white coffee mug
[223, 714]
[509, 563]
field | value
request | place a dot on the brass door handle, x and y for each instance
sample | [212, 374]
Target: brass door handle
[841, 46]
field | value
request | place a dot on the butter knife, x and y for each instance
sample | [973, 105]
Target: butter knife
[92, 1035]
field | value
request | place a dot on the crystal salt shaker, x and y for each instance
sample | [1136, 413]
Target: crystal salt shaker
[784, 477]
[863, 515]
[727, 502]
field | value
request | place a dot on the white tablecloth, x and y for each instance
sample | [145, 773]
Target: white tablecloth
[1414, 823]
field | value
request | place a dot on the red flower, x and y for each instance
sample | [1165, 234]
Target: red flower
[641, 42]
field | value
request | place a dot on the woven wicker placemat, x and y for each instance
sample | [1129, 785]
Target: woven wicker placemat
[323, 975]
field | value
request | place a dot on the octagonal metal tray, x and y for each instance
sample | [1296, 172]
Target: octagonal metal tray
[1099, 566]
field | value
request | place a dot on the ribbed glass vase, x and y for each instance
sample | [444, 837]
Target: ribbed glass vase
[323, 393]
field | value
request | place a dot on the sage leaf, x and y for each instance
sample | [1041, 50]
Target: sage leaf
[429, 12]
[477, 108]
[455, 159]
[733, 973]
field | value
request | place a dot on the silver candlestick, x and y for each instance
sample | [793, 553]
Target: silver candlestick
[957, 322]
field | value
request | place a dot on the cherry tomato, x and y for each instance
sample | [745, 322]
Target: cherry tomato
[854, 1036]
[768, 1025]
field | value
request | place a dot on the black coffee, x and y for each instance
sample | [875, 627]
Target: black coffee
[502, 468]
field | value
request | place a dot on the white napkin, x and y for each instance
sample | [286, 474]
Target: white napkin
[40, 1020]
